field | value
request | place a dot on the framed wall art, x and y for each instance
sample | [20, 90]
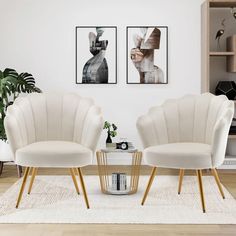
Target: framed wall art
[147, 54]
[96, 54]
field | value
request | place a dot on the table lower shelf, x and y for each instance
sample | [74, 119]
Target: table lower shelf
[111, 191]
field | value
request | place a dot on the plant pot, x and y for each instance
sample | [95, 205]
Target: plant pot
[108, 140]
[5, 152]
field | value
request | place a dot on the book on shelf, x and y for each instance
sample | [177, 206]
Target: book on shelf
[119, 181]
[130, 145]
[111, 145]
[114, 181]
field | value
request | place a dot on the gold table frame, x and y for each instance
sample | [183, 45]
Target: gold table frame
[104, 171]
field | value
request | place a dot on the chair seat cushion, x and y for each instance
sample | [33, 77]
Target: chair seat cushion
[54, 154]
[179, 155]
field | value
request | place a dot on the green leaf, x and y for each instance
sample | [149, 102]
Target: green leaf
[113, 133]
[6, 85]
[12, 83]
[10, 72]
[26, 84]
[107, 125]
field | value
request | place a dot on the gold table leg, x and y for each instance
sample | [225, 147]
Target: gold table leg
[135, 169]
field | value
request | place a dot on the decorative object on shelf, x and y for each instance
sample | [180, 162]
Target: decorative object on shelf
[219, 33]
[122, 145]
[233, 123]
[227, 88]
[147, 55]
[12, 85]
[100, 67]
[110, 133]
[232, 130]
[233, 12]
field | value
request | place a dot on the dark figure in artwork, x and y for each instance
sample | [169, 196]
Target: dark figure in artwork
[96, 69]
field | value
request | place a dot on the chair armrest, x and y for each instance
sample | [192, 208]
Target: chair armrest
[220, 137]
[146, 131]
[14, 133]
[92, 129]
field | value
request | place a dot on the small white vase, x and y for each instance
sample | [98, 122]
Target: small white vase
[5, 152]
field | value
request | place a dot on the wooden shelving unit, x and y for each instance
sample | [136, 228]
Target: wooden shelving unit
[218, 63]
[220, 3]
[222, 53]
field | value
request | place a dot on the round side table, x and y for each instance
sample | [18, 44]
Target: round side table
[105, 171]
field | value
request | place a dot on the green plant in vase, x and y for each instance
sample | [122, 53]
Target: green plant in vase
[12, 85]
[111, 131]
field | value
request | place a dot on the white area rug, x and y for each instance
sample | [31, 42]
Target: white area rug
[54, 200]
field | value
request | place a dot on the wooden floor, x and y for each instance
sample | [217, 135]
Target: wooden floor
[9, 176]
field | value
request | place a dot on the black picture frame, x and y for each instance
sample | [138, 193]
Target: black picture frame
[128, 58]
[76, 54]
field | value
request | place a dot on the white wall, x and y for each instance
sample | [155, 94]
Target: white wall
[38, 36]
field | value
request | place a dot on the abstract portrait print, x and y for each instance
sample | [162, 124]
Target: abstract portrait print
[96, 68]
[144, 54]
[95, 55]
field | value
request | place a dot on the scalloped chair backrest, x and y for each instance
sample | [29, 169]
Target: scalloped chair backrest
[187, 119]
[53, 116]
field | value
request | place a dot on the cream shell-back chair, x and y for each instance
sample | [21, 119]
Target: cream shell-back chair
[187, 133]
[53, 130]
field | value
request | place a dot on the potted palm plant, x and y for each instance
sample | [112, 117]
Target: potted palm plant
[12, 85]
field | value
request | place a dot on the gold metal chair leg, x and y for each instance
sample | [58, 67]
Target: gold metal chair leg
[199, 175]
[181, 175]
[152, 176]
[22, 186]
[83, 187]
[34, 172]
[74, 179]
[214, 172]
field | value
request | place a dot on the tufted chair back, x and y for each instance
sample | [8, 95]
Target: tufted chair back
[192, 118]
[43, 117]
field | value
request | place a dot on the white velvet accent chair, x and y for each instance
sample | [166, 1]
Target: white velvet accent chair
[53, 130]
[187, 133]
